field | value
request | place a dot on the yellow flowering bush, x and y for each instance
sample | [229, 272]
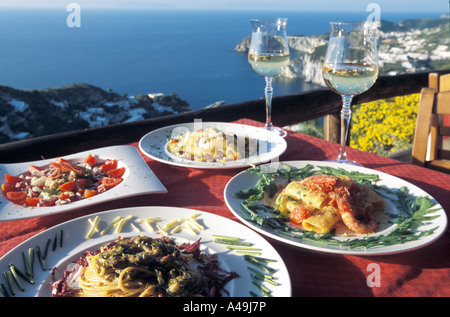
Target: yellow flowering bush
[384, 126]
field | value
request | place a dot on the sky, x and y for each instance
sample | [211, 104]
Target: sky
[303, 5]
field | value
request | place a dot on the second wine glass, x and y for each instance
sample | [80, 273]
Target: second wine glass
[350, 68]
[268, 55]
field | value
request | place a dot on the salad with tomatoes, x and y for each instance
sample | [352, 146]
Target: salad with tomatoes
[63, 182]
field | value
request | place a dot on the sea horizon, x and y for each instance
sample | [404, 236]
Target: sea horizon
[132, 52]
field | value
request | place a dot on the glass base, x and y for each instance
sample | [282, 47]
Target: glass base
[280, 132]
[341, 161]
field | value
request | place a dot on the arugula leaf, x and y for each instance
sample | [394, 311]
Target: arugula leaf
[253, 214]
[265, 184]
[356, 176]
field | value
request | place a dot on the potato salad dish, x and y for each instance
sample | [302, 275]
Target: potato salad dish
[62, 182]
[212, 145]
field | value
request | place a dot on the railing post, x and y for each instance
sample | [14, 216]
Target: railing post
[331, 127]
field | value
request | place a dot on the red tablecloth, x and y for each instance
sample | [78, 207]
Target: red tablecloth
[424, 272]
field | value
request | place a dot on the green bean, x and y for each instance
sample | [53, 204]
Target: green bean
[248, 252]
[16, 277]
[261, 266]
[3, 291]
[233, 242]
[20, 273]
[262, 288]
[264, 260]
[44, 256]
[237, 247]
[61, 238]
[9, 280]
[30, 262]
[268, 279]
[55, 240]
[41, 260]
[227, 238]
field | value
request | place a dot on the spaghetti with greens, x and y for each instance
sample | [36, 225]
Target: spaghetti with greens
[144, 267]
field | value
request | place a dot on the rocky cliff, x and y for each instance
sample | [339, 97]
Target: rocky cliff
[407, 47]
[32, 113]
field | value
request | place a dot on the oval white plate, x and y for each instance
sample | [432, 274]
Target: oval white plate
[244, 180]
[153, 144]
[138, 179]
[75, 243]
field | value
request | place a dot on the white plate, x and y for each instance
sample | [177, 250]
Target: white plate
[244, 180]
[75, 243]
[271, 145]
[138, 179]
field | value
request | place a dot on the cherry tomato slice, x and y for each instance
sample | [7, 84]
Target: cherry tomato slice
[110, 182]
[11, 179]
[109, 165]
[31, 201]
[90, 159]
[116, 173]
[17, 197]
[89, 193]
[68, 186]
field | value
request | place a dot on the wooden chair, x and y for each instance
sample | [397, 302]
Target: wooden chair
[430, 135]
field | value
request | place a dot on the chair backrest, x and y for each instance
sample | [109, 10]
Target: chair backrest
[432, 126]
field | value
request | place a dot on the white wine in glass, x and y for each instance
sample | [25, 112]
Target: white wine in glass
[268, 64]
[350, 68]
[268, 55]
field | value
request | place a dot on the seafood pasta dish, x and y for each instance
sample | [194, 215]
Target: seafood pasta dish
[212, 145]
[144, 267]
[63, 182]
[321, 202]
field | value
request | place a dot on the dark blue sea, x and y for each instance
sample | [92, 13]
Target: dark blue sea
[138, 52]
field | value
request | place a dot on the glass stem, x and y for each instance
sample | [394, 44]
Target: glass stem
[268, 92]
[346, 114]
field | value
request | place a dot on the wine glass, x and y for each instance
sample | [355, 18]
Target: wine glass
[350, 68]
[268, 55]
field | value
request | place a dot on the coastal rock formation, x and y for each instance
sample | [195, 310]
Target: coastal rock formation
[297, 43]
[407, 47]
[32, 113]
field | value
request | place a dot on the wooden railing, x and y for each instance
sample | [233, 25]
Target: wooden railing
[287, 110]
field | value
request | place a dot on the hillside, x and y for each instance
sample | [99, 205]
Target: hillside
[32, 113]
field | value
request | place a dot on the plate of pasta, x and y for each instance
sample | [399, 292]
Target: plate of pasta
[212, 145]
[48, 186]
[145, 252]
[334, 208]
